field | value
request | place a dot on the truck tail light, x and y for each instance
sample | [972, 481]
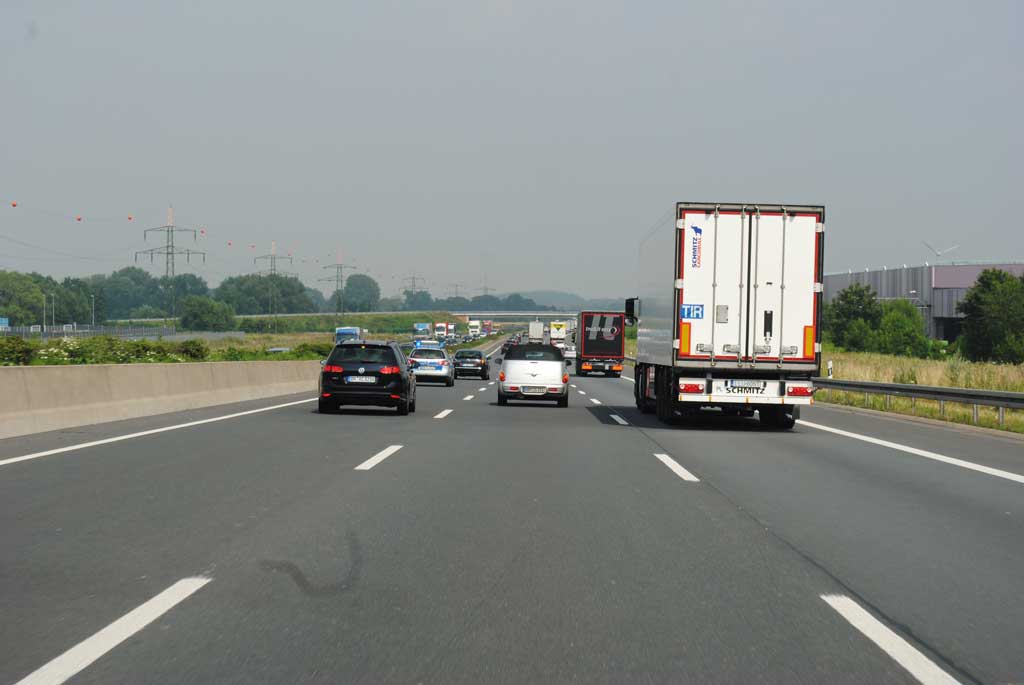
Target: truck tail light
[800, 391]
[586, 366]
[329, 368]
[388, 370]
[617, 367]
[691, 387]
[501, 375]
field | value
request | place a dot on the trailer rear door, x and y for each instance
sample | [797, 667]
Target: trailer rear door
[749, 285]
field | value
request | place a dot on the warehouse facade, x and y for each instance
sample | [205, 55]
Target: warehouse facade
[935, 289]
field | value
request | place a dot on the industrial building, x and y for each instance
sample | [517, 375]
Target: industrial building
[935, 289]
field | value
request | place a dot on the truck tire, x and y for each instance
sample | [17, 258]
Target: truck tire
[640, 391]
[663, 404]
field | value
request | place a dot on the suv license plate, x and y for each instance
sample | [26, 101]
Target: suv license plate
[360, 379]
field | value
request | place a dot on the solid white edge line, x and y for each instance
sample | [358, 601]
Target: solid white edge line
[674, 466]
[92, 648]
[154, 431]
[1015, 477]
[443, 413]
[595, 400]
[378, 458]
[916, 663]
[467, 398]
[619, 420]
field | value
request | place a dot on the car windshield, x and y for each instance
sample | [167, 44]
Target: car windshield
[363, 354]
[427, 354]
[468, 354]
[534, 354]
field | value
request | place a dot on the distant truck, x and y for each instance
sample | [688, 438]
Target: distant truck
[451, 330]
[535, 333]
[487, 326]
[600, 343]
[343, 333]
[421, 331]
[557, 330]
[728, 311]
[474, 328]
[440, 330]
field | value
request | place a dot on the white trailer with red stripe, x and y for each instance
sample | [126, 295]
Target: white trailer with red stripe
[728, 311]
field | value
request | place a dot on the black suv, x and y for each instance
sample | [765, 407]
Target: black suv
[367, 373]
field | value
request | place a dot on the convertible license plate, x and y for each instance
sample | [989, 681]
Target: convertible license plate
[534, 389]
[360, 379]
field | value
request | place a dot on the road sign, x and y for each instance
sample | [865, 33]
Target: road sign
[5, 322]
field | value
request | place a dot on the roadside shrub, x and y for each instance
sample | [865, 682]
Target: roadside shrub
[15, 351]
[194, 350]
[314, 349]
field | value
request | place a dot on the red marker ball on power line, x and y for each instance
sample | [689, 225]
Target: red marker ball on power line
[14, 204]
[229, 243]
[130, 217]
[78, 218]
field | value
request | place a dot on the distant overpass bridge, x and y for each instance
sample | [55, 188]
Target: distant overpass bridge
[545, 315]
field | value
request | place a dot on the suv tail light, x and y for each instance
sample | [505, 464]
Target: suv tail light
[388, 370]
[329, 368]
[800, 391]
[691, 387]
[501, 375]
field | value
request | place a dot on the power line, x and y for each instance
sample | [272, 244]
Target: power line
[169, 250]
[339, 283]
[485, 289]
[272, 271]
[415, 282]
[453, 289]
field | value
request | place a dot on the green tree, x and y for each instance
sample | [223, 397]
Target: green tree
[252, 294]
[418, 301]
[127, 289]
[993, 326]
[318, 299]
[389, 304]
[901, 331]
[851, 303]
[206, 314]
[147, 311]
[860, 337]
[171, 291]
[21, 299]
[361, 293]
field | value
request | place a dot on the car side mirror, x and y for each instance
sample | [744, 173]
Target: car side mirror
[568, 362]
[323, 362]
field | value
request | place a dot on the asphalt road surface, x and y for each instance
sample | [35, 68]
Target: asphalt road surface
[475, 543]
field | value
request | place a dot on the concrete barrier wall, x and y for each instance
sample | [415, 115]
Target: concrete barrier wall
[34, 399]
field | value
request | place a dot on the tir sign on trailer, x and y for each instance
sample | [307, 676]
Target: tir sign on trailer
[748, 286]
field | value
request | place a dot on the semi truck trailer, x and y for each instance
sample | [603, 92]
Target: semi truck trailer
[728, 311]
[600, 343]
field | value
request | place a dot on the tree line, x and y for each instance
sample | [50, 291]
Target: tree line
[133, 293]
[992, 328]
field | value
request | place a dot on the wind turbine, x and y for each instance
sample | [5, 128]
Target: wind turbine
[939, 253]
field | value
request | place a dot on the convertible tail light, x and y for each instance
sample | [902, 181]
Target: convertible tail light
[329, 368]
[691, 387]
[501, 375]
[388, 370]
[565, 378]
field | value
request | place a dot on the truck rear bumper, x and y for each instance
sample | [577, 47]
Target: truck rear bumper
[733, 399]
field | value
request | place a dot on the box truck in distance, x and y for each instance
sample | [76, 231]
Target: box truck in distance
[536, 332]
[728, 311]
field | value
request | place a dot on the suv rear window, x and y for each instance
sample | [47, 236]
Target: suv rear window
[426, 353]
[363, 354]
[535, 354]
[468, 354]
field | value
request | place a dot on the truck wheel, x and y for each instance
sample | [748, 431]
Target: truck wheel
[640, 391]
[663, 405]
[579, 371]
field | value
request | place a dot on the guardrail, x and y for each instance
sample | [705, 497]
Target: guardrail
[1000, 399]
[76, 331]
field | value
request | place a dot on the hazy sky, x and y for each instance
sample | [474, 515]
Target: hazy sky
[531, 141]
